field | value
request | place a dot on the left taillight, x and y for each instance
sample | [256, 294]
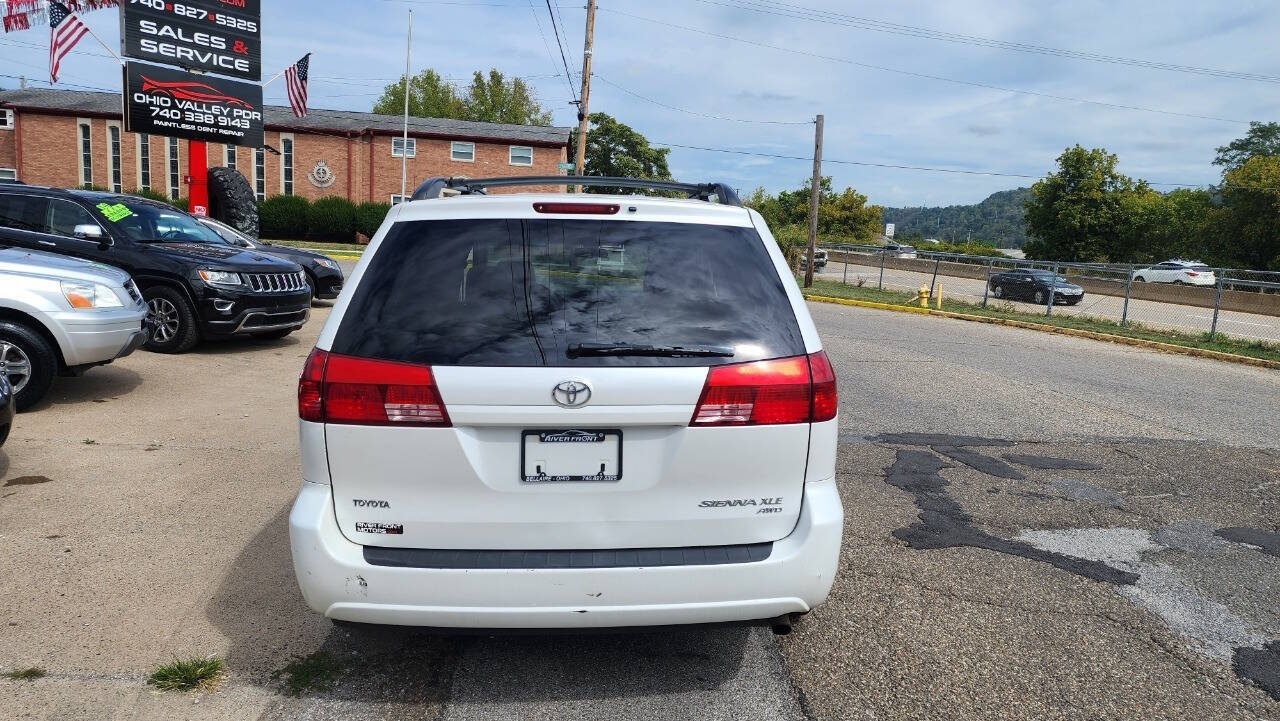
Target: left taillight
[364, 391]
[800, 389]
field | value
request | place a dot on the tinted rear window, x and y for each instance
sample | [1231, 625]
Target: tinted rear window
[521, 292]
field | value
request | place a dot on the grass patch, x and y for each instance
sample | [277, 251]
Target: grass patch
[1007, 310]
[320, 245]
[198, 673]
[315, 672]
[25, 674]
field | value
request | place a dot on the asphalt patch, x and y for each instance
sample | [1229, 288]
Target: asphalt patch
[1261, 666]
[978, 462]
[1046, 463]
[1268, 541]
[944, 524]
[27, 480]
[1081, 491]
[936, 439]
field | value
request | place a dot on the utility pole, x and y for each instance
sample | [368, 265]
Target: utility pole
[22, 82]
[404, 138]
[814, 195]
[586, 90]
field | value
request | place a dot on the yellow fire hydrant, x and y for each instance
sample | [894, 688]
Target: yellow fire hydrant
[923, 296]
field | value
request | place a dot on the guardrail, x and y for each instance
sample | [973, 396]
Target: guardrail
[1240, 303]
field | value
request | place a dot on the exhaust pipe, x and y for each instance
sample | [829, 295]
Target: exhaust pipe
[781, 625]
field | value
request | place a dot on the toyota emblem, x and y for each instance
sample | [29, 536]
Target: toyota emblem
[571, 394]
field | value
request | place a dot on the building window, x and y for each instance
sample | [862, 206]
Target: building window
[520, 155]
[286, 165]
[6, 119]
[175, 180]
[231, 157]
[86, 155]
[144, 161]
[113, 141]
[398, 146]
[260, 173]
[8, 174]
[462, 152]
[397, 199]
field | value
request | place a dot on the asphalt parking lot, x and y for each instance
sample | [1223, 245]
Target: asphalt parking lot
[1086, 531]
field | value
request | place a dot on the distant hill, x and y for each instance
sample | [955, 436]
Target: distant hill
[998, 220]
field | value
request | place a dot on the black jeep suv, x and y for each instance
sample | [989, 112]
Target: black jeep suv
[196, 285]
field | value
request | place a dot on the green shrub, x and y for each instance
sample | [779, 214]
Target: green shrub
[332, 218]
[159, 196]
[369, 217]
[283, 217]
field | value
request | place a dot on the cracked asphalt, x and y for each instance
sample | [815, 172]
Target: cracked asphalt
[165, 536]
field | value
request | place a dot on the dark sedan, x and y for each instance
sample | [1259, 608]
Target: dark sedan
[6, 408]
[323, 273]
[1034, 285]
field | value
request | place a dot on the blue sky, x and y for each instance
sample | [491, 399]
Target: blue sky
[872, 115]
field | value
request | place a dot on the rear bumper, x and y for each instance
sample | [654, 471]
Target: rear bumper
[337, 581]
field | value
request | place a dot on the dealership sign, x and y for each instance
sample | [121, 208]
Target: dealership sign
[163, 101]
[216, 36]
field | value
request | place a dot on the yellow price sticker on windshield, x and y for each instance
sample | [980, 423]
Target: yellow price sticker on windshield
[115, 213]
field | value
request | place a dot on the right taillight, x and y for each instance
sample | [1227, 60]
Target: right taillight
[800, 389]
[363, 391]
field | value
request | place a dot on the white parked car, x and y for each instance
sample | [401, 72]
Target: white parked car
[533, 411]
[1178, 272]
[897, 250]
[60, 316]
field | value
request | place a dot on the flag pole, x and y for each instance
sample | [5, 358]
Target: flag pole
[404, 142]
[104, 45]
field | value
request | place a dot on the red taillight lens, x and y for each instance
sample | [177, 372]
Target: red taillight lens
[788, 390]
[577, 208]
[362, 391]
[311, 387]
[1192, 273]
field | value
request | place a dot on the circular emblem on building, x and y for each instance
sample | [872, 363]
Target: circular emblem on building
[321, 176]
[571, 394]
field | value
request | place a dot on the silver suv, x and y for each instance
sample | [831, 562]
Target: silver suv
[62, 315]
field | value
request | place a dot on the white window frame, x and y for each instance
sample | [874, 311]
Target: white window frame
[173, 150]
[8, 119]
[511, 154]
[81, 124]
[141, 166]
[412, 147]
[8, 170]
[115, 162]
[230, 157]
[260, 176]
[397, 198]
[292, 156]
[453, 151]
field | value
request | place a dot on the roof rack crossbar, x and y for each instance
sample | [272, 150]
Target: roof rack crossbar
[435, 187]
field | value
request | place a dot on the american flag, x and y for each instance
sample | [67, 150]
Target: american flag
[296, 80]
[65, 30]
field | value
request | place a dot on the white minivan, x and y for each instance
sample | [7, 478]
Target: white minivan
[553, 410]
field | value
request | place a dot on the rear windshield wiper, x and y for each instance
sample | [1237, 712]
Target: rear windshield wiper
[580, 350]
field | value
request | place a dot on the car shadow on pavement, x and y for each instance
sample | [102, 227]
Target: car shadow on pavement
[260, 611]
[97, 385]
[245, 344]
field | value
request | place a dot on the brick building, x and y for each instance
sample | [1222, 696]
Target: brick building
[68, 138]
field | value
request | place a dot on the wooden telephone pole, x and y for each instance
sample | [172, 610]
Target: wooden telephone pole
[586, 90]
[814, 196]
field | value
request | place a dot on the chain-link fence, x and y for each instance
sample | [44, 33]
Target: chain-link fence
[1240, 303]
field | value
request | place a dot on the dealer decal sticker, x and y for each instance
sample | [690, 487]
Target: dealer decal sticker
[115, 213]
[390, 529]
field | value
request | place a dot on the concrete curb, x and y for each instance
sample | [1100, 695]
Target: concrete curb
[1093, 335]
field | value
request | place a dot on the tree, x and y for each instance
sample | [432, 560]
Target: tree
[1263, 139]
[430, 96]
[615, 149]
[496, 100]
[1077, 213]
[490, 99]
[1251, 217]
[842, 217]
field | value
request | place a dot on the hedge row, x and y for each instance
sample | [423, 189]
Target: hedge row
[331, 218]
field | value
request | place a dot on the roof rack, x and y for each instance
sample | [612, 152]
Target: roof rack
[438, 186]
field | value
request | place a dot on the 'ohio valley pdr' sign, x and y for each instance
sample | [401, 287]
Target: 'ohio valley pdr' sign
[163, 101]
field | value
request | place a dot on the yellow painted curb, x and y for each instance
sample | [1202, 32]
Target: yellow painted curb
[1077, 332]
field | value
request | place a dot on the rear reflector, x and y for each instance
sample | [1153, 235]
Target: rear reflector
[800, 389]
[362, 391]
[577, 208]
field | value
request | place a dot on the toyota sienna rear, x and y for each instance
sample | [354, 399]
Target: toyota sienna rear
[567, 410]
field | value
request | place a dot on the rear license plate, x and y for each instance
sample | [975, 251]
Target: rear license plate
[571, 455]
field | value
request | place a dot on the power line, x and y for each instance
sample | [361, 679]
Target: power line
[927, 76]
[800, 12]
[568, 80]
[555, 29]
[885, 165]
[659, 103]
